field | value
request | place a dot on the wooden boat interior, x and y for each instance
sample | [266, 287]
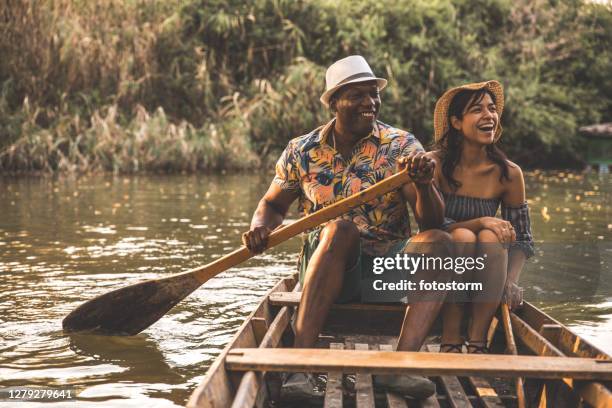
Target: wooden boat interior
[247, 373]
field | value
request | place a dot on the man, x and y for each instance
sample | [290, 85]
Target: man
[350, 153]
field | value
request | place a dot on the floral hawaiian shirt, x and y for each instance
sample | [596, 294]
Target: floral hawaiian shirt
[311, 167]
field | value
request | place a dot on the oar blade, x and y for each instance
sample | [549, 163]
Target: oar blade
[130, 310]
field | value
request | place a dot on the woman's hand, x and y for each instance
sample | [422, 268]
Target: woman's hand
[513, 295]
[420, 167]
[502, 228]
[256, 239]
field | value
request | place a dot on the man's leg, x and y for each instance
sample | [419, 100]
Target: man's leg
[424, 305]
[337, 251]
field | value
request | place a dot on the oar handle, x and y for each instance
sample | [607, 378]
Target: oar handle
[520, 391]
[313, 220]
[338, 208]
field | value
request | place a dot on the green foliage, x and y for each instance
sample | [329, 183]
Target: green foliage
[229, 82]
[149, 142]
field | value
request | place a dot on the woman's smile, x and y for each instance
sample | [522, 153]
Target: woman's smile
[480, 121]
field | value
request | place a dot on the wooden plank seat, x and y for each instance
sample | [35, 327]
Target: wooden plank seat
[293, 299]
[428, 364]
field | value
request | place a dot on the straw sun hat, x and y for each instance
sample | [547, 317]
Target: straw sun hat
[348, 70]
[441, 112]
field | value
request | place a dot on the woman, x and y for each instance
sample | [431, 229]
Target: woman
[476, 177]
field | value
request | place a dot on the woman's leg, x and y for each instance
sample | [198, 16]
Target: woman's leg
[493, 278]
[452, 313]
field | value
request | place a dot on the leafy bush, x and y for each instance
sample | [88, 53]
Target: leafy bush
[140, 85]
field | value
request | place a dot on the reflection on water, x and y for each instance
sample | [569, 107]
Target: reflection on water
[65, 241]
[571, 275]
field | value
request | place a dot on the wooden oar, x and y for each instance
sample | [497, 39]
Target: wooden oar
[129, 310]
[520, 391]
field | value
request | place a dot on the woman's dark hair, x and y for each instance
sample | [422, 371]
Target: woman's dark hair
[451, 142]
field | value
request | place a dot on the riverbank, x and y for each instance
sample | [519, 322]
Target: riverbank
[148, 143]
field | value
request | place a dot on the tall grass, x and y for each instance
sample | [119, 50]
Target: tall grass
[188, 85]
[81, 53]
[149, 142]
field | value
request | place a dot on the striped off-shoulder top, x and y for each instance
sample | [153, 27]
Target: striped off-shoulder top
[463, 208]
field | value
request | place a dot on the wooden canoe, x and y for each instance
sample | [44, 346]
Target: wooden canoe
[358, 340]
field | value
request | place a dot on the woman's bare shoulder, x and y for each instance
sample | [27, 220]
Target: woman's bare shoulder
[514, 171]
[514, 194]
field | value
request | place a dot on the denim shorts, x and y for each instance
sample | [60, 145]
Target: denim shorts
[356, 285]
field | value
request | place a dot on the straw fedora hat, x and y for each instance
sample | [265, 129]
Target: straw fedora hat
[441, 112]
[348, 70]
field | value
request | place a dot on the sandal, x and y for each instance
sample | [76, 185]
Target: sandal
[451, 348]
[477, 347]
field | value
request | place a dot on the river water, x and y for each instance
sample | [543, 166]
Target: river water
[66, 240]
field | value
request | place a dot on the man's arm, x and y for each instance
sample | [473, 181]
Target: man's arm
[427, 204]
[269, 214]
[424, 198]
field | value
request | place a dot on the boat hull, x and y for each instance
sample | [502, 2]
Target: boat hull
[374, 328]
